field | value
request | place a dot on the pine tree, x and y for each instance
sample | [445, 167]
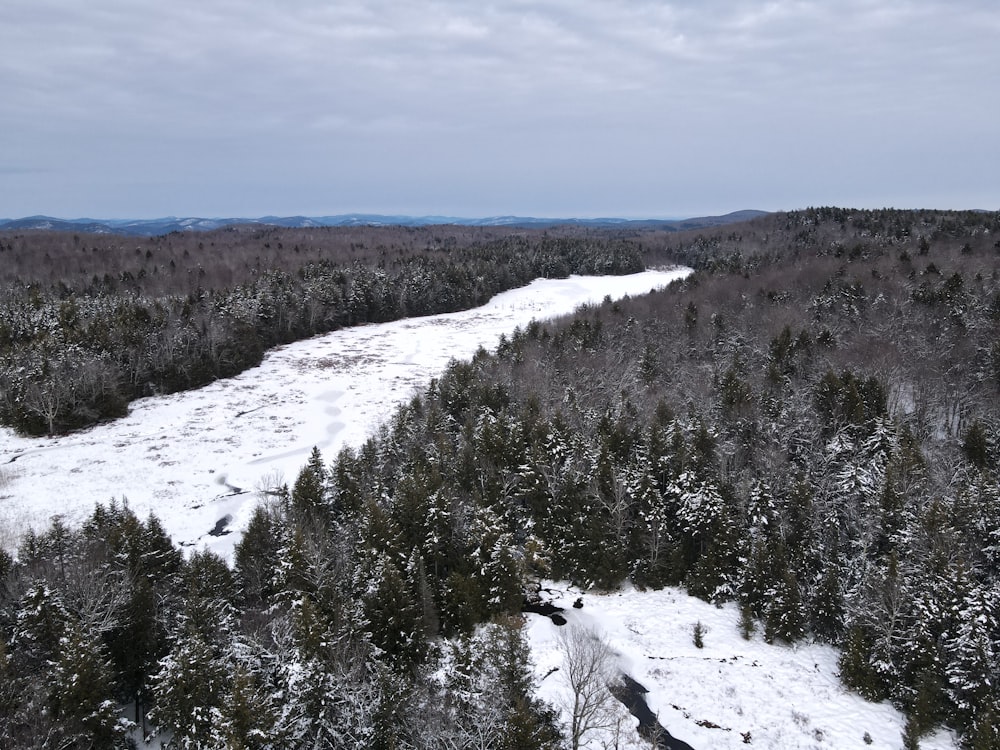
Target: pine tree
[755, 578]
[41, 623]
[489, 692]
[190, 690]
[81, 700]
[12, 698]
[826, 611]
[509, 652]
[392, 612]
[784, 614]
[984, 734]
[6, 568]
[976, 445]
[256, 556]
[248, 715]
[972, 671]
[928, 705]
[308, 499]
[208, 593]
[137, 644]
[911, 735]
[856, 669]
[161, 560]
[498, 570]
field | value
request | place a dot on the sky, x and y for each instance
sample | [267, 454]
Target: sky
[554, 108]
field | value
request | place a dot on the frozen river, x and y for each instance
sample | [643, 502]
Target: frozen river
[198, 457]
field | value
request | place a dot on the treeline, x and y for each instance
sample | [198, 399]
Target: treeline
[840, 232]
[74, 355]
[182, 262]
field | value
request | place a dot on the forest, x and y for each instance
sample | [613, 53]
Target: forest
[806, 426]
[88, 324]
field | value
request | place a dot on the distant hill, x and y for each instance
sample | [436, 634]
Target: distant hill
[168, 224]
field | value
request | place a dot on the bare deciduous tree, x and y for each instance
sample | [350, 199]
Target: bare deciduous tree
[588, 668]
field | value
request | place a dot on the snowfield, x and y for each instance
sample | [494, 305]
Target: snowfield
[196, 460]
[780, 697]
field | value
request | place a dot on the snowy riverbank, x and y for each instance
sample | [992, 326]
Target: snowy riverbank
[719, 696]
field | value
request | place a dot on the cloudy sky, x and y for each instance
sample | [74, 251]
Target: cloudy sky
[638, 108]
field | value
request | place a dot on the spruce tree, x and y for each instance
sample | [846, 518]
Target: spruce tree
[972, 671]
[248, 714]
[256, 556]
[308, 498]
[41, 623]
[826, 610]
[393, 614]
[784, 614]
[984, 734]
[190, 690]
[976, 445]
[856, 669]
[82, 704]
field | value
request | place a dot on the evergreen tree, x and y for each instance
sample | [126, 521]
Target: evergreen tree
[248, 715]
[392, 613]
[190, 690]
[208, 592]
[82, 704]
[137, 644]
[530, 723]
[489, 692]
[972, 671]
[12, 700]
[976, 445]
[984, 734]
[928, 705]
[911, 735]
[784, 614]
[856, 669]
[41, 623]
[826, 610]
[256, 556]
[308, 499]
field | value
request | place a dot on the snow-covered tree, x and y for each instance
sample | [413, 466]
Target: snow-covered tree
[972, 670]
[190, 690]
[80, 694]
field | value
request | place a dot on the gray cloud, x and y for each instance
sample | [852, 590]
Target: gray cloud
[588, 107]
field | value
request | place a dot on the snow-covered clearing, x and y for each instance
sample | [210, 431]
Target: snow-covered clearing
[196, 458]
[781, 697]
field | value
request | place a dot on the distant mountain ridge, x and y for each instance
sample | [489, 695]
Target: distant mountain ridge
[168, 224]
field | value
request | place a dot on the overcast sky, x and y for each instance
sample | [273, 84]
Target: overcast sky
[559, 108]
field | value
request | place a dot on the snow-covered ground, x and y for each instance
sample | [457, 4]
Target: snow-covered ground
[196, 458]
[780, 697]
